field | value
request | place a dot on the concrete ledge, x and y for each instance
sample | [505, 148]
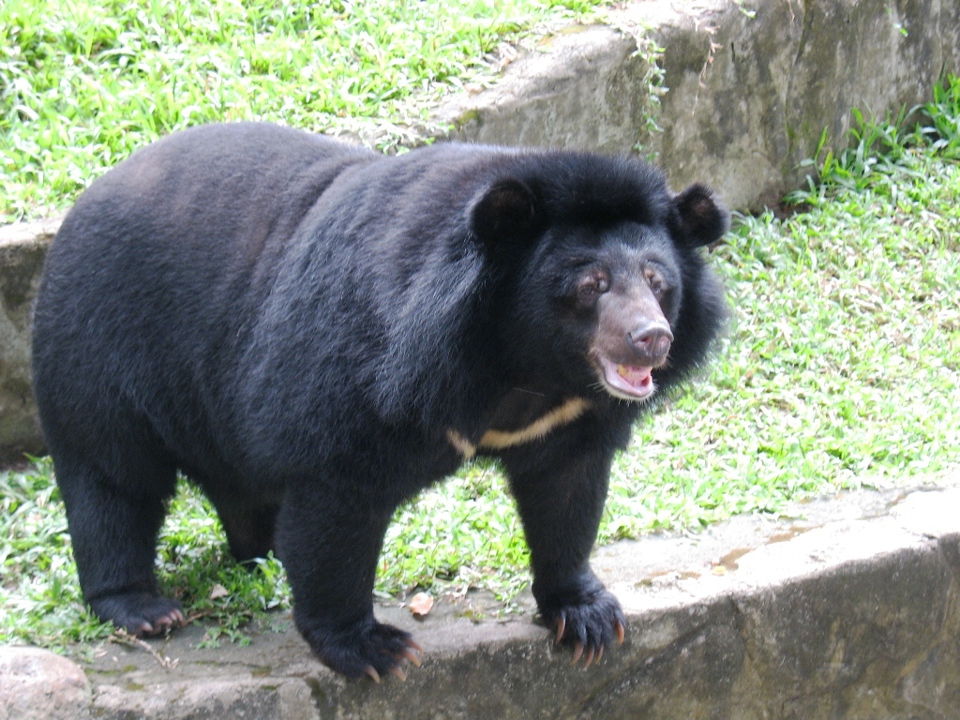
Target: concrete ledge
[849, 609]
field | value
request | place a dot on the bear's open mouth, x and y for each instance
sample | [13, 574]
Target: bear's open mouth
[631, 382]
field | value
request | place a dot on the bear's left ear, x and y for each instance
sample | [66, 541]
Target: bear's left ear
[702, 220]
[506, 210]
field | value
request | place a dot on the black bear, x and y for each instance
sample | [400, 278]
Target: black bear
[313, 333]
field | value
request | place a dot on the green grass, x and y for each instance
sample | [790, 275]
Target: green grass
[84, 83]
[840, 370]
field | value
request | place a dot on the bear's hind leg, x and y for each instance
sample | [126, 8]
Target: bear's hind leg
[113, 529]
[329, 544]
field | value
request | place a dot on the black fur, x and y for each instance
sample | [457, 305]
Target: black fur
[314, 333]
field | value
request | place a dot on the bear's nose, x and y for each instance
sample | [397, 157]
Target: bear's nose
[652, 341]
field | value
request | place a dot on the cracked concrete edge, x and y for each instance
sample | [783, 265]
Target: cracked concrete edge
[849, 609]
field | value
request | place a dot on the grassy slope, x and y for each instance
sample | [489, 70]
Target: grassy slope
[84, 83]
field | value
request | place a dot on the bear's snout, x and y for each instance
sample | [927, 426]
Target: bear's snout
[651, 340]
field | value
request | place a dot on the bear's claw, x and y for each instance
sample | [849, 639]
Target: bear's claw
[588, 627]
[364, 647]
[410, 655]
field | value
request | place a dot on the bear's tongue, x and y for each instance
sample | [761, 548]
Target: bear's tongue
[633, 381]
[636, 376]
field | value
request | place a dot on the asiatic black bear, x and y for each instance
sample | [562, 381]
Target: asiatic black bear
[314, 333]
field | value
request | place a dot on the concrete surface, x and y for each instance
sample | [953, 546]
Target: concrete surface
[849, 607]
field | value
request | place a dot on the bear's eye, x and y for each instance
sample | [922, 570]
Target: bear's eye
[657, 283]
[592, 287]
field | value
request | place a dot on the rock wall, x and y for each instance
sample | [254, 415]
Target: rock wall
[750, 86]
[22, 250]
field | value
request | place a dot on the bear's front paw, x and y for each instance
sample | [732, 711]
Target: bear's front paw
[588, 626]
[364, 647]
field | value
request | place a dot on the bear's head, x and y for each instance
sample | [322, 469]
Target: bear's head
[601, 266]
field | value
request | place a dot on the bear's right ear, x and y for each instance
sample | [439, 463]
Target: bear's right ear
[506, 210]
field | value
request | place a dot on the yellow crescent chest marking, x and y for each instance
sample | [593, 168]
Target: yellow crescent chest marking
[461, 444]
[539, 428]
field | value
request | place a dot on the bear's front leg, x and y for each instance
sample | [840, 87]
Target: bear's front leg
[560, 488]
[329, 544]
